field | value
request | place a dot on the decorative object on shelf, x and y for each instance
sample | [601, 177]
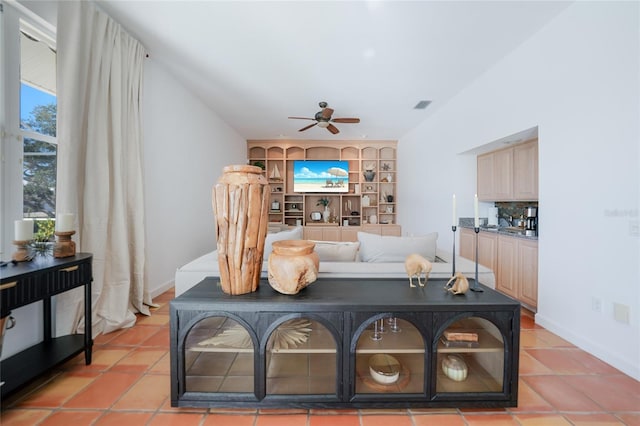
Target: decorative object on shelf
[373, 219]
[389, 198]
[316, 216]
[386, 167]
[259, 164]
[366, 201]
[275, 206]
[369, 173]
[42, 244]
[235, 337]
[459, 339]
[240, 204]
[292, 265]
[275, 173]
[458, 284]
[384, 368]
[326, 214]
[416, 265]
[290, 334]
[454, 367]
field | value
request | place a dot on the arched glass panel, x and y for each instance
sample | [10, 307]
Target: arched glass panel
[301, 359]
[390, 358]
[470, 357]
[219, 357]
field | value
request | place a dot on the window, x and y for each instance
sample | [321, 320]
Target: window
[38, 110]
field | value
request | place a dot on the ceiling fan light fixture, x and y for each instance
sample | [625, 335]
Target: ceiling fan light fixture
[323, 124]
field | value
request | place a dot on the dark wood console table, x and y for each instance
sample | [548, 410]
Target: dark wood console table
[38, 280]
[316, 349]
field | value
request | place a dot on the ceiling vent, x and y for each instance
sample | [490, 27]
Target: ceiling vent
[422, 105]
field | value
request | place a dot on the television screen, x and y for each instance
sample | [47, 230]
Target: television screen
[320, 176]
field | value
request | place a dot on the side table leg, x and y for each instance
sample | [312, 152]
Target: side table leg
[88, 340]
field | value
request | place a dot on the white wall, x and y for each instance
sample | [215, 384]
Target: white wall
[186, 146]
[578, 80]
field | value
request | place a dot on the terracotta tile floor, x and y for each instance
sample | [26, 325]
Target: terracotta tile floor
[128, 384]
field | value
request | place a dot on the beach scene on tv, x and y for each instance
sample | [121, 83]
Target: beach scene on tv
[321, 176]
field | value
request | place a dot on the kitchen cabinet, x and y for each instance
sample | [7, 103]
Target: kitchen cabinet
[487, 246]
[509, 174]
[316, 349]
[514, 261]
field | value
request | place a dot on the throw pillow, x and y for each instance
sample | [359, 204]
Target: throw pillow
[384, 248]
[292, 234]
[336, 251]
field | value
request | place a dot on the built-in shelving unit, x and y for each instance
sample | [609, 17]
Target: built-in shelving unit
[369, 200]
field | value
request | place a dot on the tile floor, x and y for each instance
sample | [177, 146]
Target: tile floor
[128, 384]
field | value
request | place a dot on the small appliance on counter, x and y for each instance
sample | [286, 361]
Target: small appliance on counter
[531, 223]
[492, 219]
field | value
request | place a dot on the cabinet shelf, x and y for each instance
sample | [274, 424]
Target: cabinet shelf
[486, 341]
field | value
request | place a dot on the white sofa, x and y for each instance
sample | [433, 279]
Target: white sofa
[372, 256]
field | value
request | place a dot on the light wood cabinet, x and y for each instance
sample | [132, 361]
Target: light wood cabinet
[347, 233]
[365, 199]
[509, 174]
[513, 260]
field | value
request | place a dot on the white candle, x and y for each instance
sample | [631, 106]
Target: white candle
[476, 220]
[24, 230]
[454, 210]
[64, 222]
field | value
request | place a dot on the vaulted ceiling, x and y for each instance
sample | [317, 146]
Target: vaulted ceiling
[256, 63]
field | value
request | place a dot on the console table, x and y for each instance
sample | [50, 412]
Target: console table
[27, 282]
[315, 349]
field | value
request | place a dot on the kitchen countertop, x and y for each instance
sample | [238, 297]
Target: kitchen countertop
[501, 230]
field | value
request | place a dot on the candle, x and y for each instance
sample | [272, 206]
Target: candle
[476, 220]
[64, 222]
[454, 210]
[24, 230]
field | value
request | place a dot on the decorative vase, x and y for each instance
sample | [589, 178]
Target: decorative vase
[326, 214]
[241, 208]
[369, 175]
[292, 265]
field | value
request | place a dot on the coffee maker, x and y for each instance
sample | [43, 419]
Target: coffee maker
[531, 215]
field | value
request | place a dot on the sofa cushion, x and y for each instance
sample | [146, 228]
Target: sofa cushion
[336, 251]
[292, 234]
[385, 248]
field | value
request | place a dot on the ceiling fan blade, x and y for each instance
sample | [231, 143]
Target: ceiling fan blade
[302, 118]
[346, 120]
[333, 129]
[308, 127]
[326, 113]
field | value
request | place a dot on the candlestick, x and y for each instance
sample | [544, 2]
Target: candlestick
[22, 252]
[453, 228]
[476, 220]
[64, 247]
[475, 286]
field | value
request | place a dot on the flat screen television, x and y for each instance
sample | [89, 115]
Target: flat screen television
[320, 176]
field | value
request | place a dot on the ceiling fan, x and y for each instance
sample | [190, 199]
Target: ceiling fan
[323, 119]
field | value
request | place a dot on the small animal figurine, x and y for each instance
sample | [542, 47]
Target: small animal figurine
[459, 286]
[416, 265]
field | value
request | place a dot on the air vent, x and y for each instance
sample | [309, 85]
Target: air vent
[422, 105]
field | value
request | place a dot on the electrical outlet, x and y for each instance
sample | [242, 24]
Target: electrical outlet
[596, 304]
[621, 313]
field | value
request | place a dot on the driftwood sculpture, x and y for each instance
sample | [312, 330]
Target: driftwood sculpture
[458, 284]
[416, 265]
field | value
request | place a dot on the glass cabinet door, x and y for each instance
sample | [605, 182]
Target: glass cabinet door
[219, 357]
[390, 358]
[301, 359]
[470, 357]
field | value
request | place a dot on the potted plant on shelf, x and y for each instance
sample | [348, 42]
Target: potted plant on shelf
[324, 201]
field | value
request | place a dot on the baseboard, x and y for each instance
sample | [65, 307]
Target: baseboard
[601, 352]
[162, 288]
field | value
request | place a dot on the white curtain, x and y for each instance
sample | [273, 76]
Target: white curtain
[100, 69]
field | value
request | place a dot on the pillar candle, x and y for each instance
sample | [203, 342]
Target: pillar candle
[24, 230]
[476, 220]
[454, 210]
[64, 222]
